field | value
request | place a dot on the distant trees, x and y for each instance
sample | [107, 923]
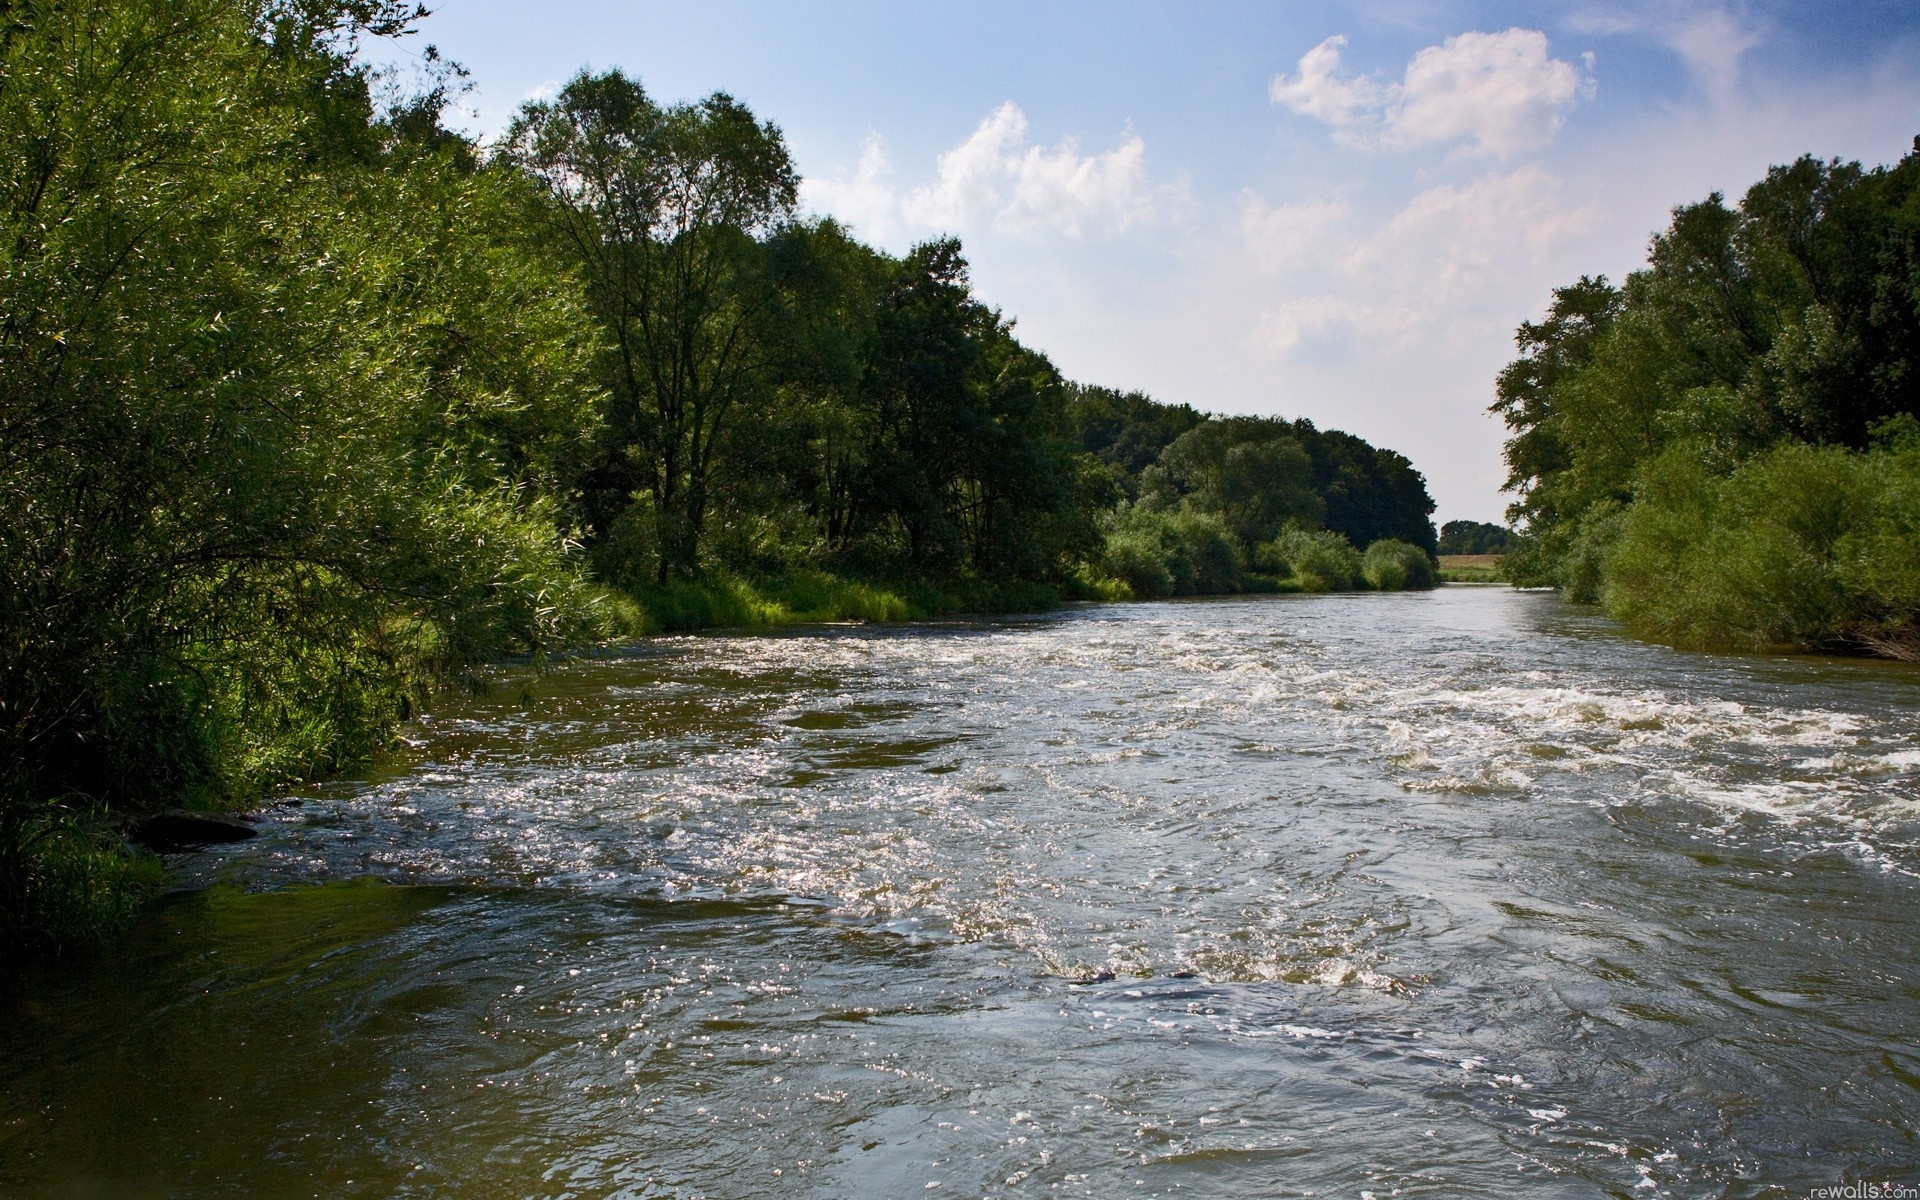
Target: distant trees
[1790, 321]
[1473, 537]
[1232, 503]
[1251, 471]
[1126, 431]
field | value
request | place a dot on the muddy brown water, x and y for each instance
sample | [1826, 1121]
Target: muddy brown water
[1457, 894]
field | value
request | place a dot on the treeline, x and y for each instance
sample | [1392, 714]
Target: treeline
[1208, 505]
[1473, 537]
[308, 405]
[1724, 450]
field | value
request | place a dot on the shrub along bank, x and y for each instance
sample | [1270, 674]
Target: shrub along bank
[1721, 451]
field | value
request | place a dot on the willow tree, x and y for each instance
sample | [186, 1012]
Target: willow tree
[664, 208]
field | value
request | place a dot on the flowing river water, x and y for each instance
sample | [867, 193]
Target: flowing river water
[1457, 894]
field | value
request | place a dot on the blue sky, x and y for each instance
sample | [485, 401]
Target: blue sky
[1337, 211]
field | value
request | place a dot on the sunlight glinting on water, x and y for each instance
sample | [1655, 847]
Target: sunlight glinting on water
[1418, 895]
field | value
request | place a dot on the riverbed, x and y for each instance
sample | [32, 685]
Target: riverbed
[1450, 894]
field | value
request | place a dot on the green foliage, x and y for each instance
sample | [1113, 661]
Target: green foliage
[288, 415]
[1126, 431]
[1172, 552]
[65, 878]
[722, 601]
[1472, 537]
[1695, 447]
[659, 209]
[1580, 570]
[1804, 546]
[1390, 565]
[1318, 560]
[1249, 471]
[1369, 492]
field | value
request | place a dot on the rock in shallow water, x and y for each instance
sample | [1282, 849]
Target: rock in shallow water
[178, 829]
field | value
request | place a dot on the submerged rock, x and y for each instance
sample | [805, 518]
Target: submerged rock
[179, 829]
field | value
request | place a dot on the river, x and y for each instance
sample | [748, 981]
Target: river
[1455, 894]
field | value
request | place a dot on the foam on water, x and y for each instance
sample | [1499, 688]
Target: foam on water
[1380, 865]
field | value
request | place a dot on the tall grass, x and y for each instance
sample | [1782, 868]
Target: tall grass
[721, 600]
[66, 878]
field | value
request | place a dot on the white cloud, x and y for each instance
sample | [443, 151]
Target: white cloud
[1286, 235]
[1493, 93]
[867, 201]
[1333, 319]
[996, 179]
[1444, 260]
[1709, 38]
[1450, 242]
[1317, 91]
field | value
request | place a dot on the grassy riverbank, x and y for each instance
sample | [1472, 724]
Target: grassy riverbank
[722, 601]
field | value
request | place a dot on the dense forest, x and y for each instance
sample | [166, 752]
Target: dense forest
[1724, 451]
[310, 407]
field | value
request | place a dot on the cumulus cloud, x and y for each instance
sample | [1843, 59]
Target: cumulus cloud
[1318, 91]
[1441, 258]
[866, 201]
[1456, 240]
[1491, 93]
[998, 179]
[995, 175]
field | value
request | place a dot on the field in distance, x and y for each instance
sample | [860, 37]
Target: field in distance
[1470, 568]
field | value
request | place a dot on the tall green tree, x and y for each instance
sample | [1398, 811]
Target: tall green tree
[1249, 470]
[663, 209]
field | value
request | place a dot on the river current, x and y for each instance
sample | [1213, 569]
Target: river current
[1455, 894]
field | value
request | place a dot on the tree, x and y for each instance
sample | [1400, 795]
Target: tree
[1249, 470]
[662, 208]
[1473, 537]
[1126, 430]
[277, 403]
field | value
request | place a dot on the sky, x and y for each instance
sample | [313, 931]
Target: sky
[1332, 211]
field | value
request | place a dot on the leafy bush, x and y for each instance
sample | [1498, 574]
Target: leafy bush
[1391, 565]
[1806, 547]
[1172, 552]
[1319, 561]
[1140, 557]
[1211, 554]
[1581, 568]
[65, 878]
